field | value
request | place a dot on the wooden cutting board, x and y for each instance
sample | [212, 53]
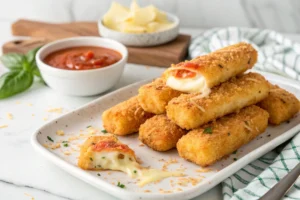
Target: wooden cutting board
[42, 33]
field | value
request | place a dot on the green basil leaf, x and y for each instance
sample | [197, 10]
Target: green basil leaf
[14, 82]
[13, 61]
[30, 56]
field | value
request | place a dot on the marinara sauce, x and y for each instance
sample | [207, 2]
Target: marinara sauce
[82, 58]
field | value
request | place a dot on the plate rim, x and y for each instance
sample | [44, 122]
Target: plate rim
[187, 193]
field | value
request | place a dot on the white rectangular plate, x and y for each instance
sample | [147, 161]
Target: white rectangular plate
[170, 188]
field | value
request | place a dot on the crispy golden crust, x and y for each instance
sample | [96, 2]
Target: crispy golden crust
[280, 104]
[228, 134]
[125, 118]
[160, 133]
[190, 112]
[223, 64]
[153, 97]
[96, 144]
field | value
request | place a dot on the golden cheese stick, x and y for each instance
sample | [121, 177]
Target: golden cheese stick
[125, 118]
[160, 133]
[154, 97]
[208, 144]
[280, 104]
[207, 71]
[210, 70]
[190, 111]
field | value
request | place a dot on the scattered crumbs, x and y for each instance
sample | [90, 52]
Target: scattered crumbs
[18, 102]
[147, 66]
[165, 191]
[52, 146]
[147, 191]
[9, 116]
[92, 131]
[73, 138]
[178, 189]
[32, 115]
[55, 110]
[141, 145]
[4, 126]
[67, 153]
[32, 198]
[45, 118]
[169, 162]
[108, 173]
[204, 170]
[269, 135]
[161, 160]
[189, 180]
[60, 133]
[29, 104]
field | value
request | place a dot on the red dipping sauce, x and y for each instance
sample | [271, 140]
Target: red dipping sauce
[82, 58]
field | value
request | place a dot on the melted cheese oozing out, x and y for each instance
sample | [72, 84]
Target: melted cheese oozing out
[190, 85]
[126, 163]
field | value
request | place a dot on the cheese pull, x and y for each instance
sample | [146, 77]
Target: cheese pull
[190, 111]
[204, 72]
[108, 153]
[208, 144]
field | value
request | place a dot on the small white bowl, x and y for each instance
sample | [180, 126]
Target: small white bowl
[82, 82]
[142, 39]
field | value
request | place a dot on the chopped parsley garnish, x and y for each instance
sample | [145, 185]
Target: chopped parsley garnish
[121, 185]
[246, 122]
[104, 131]
[208, 130]
[98, 174]
[89, 126]
[235, 159]
[99, 166]
[234, 152]
[103, 157]
[91, 159]
[64, 141]
[50, 139]
[134, 171]
[66, 145]
[228, 134]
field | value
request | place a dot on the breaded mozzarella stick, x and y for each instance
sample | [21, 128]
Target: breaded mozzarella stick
[280, 104]
[153, 97]
[160, 133]
[189, 111]
[207, 71]
[208, 144]
[125, 118]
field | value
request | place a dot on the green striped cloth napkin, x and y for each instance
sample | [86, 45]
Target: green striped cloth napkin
[279, 55]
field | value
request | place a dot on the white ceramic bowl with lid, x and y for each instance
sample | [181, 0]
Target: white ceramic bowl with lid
[142, 39]
[82, 82]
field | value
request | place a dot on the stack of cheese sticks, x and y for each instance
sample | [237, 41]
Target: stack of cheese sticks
[207, 107]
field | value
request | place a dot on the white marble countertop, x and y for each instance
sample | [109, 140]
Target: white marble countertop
[24, 174]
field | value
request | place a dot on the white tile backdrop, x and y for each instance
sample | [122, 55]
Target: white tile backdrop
[281, 15]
